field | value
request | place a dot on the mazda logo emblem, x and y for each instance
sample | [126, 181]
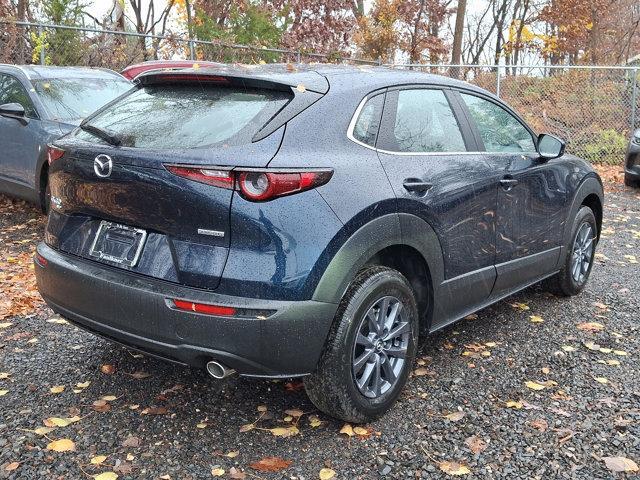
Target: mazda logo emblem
[102, 166]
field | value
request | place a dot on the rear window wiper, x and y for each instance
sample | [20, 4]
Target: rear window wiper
[110, 138]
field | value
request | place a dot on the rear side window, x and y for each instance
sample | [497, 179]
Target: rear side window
[500, 131]
[163, 117]
[425, 122]
[365, 129]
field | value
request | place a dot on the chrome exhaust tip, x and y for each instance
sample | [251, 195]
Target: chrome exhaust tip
[219, 371]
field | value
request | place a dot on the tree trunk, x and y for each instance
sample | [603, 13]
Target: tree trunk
[456, 53]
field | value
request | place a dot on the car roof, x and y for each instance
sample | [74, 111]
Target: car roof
[40, 72]
[341, 78]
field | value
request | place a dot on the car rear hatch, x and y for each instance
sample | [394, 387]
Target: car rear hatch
[122, 206]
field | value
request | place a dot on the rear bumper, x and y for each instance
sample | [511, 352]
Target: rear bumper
[133, 310]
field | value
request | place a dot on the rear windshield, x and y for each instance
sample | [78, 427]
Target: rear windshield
[163, 117]
[76, 98]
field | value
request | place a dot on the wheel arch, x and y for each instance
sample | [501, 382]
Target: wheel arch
[403, 242]
[589, 193]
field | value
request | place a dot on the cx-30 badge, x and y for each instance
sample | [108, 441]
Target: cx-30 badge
[102, 165]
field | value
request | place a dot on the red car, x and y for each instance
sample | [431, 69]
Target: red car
[133, 71]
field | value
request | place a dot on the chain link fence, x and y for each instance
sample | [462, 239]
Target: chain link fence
[595, 109]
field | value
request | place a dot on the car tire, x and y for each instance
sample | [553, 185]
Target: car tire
[364, 365]
[630, 181]
[573, 276]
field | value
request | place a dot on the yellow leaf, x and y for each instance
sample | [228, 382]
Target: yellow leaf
[61, 422]
[347, 430]
[106, 476]
[301, 88]
[622, 353]
[520, 306]
[83, 385]
[514, 404]
[201, 425]
[363, 432]
[58, 320]
[62, 445]
[262, 408]
[109, 398]
[233, 454]
[97, 460]
[534, 385]
[605, 350]
[42, 430]
[3, 392]
[285, 432]
[4, 375]
[326, 474]
[536, 319]
[294, 412]
[591, 326]
[57, 389]
[455, 416]
[5, 324]
[420, 372]
[602, 380]
[314, 421]
[568, 348]
[454, 468]
[217, 472]
[247, 428]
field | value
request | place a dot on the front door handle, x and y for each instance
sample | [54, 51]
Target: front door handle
[416, 185]
[508, 182]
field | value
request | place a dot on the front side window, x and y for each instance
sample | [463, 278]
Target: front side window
[12, 91]
[75, 98]
[499, 129]
[163, 117]
[425, 122]
[366, 127]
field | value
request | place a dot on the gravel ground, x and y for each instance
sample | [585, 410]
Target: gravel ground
[184, 425]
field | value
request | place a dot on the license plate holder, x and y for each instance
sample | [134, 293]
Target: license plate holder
[117, 243]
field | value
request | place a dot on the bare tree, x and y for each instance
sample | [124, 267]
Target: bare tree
[456, 51]
[146, 22]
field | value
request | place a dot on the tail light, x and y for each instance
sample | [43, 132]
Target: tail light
[256, 185]
[54, 153]
[206, 308]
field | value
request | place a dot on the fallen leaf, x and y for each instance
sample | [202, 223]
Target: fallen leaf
[60, 422]
[514, 404]
[421, 372]
[568, 348]
[620, 464]
[62, 445]
[285, 431]
[600, 305]
[10, 467]
[4, 375]
[520, 306]
[536, 319]
[232, 454]
[314, 421]
[5, 325]
[217, 472]
[347, 430]
[603, 380]
[590, 326]
[57, 389]
[455, 416]
[534, 385]
[454, 468]
[621, 353]
[109, 398]
[139, 375]
[106, 476]
[236, 474]
[247, 428]
[361, 431]
[3, 392]
[539, 424]
[97, 460]
[83, 385]
[326, 474]
[108, 369]
[476, 444]
[201, 425]
[132, 441]
[270, 464]
[155, 411]
[294, 412]
[301, 88]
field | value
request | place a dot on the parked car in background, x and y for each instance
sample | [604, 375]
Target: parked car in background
[312, 222]
[37, 105]
[632, 163]
[132, 71]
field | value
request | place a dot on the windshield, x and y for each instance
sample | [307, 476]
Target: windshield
[76, 98]
[180, 116]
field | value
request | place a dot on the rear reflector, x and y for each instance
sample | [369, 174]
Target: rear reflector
[40, 260]
[204, 308]
[256, 185]
[53, 154]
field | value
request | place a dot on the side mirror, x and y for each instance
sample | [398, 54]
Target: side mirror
[550, 147]
[13, 110]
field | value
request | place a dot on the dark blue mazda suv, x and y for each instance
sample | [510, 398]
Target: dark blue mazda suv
[310, 221]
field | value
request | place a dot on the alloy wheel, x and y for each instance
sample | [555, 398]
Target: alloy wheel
[582, 253]
[380, 350]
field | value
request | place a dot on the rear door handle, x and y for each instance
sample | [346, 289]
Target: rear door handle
[508, 182]
[416, 185]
